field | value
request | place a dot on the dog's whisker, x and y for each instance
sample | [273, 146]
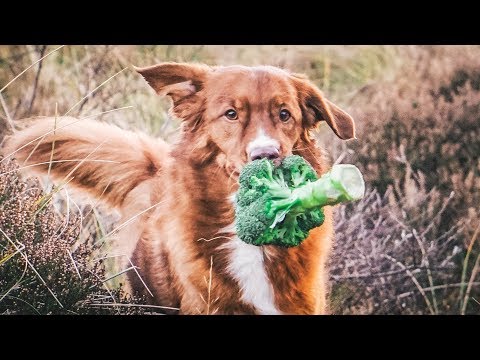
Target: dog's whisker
[216, 238]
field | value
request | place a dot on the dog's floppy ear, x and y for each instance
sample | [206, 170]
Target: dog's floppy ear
[182, 82]
[316, 108]
[177, 80]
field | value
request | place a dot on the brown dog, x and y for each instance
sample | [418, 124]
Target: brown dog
[186, 248]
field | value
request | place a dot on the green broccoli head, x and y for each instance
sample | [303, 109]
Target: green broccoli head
[280, 205]
[264, 202]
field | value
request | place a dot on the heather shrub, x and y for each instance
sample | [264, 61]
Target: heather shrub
[392, 258]
[410, 246]
[44, 269]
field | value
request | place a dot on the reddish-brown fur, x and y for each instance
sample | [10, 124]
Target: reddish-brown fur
[189, 184]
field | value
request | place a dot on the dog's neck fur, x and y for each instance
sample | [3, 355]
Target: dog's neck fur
[264, 278]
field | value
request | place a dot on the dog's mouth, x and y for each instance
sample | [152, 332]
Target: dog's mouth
[234, 165]
[234, 169]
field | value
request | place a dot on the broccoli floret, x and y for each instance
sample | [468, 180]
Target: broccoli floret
[260, 183]
[297, 171]
[253, 225]
[306, 223]
[253, 181]
[280, 205]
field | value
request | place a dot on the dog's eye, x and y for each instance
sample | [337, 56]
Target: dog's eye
[231, 114]
[284, 115]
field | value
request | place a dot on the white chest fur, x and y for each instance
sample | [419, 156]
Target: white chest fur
[247, 267]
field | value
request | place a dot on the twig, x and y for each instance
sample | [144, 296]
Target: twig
[465, 262]
[136, 305]
[138, 274]
[470, 282]
[103, 283]
[33, 268]
[414, 279]
[134, 267]
[91, 92]
[341, 157]
[125, 223]
[16, 77]
[437, 287]
[444, 206]
[67, 218]
[83, 160]
[118, 274]
[7, 114]
[53, 142]
[8, 257]
[106, 112]
[33, 150]
[74, 264]
[427, 263]
[58, 161]
[361, 276]
[99, 199]
[96, 69]
[45, 199]
[35, 85]
[40, 138]
[26, 302]
[14, 286]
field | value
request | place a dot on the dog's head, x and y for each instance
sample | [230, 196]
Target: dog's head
[245, 112]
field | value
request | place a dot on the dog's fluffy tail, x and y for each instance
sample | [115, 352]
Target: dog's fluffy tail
[102, 159]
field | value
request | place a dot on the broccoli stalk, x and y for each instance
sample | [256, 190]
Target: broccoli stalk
[280, 205]
[342, 183]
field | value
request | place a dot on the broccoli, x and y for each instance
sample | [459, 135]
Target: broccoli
[280, 205]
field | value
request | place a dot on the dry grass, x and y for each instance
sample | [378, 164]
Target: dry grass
[410, 247]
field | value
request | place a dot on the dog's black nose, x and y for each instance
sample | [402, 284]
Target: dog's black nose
[269, 152]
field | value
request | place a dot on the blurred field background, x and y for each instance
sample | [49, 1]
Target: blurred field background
[411, 246]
